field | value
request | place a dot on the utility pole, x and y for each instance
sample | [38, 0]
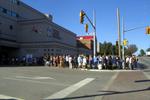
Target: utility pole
[94, 36]
[123, 56]
[119, 34]
[123, 38]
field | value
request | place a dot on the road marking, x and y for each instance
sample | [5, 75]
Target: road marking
[4, 97]
[146, 75]
[95, 70]
[39, 82]
[110, 82]
[36, 78]
[65, 92]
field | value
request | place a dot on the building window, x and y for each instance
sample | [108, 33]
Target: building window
[44, 49]
[15, 2]
[1, 9]
[9, 13]
[18, 2]
[55, 34]
[17, 15]
[11, 27]
[52, 54]
[52, 49]
[4, 11]
[14, 14]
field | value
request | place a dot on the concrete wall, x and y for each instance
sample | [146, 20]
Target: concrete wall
[49, 38]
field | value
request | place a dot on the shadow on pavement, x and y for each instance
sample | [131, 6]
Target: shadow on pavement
[147, 70]
[142, 66]
[142, 81]
[19, 66]
[102, 94]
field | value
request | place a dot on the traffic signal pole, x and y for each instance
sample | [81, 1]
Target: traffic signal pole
[94, 36]
[93, 24]
[123, 38]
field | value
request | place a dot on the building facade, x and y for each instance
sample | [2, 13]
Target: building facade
[85, 44]
[26, 31]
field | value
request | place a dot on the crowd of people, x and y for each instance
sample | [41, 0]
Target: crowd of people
[80, 61]
[20, 61]
[89, 62]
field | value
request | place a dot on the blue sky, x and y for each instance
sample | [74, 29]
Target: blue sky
[136, 13]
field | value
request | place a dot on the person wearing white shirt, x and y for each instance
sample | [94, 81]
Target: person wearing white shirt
[70, 62]
[84, 62]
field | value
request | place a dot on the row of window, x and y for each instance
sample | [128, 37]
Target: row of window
[55, 34]
[51, 54]
[15, 2]
[8, 12]
[48, 49]
[56, 51]
[10, 26]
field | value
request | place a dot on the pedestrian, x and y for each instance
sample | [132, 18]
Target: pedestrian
[80, 60]
[84, 62]
[70, 62]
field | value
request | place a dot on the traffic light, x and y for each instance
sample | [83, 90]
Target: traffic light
[125, 42]
[116, 43]
[147, 30]
[82, 16]
[86, 28]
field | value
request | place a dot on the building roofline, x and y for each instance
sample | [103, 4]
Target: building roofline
[64, 29]
[33, 9]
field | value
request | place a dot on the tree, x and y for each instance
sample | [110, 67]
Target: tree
[131, 49]
[142, 52]
[106, 48]
[148, 49]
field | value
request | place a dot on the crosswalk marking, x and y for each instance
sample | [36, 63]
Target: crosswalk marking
[35, 78]
[5, 97]
[146, 75]
[65, 92]
[107, 86]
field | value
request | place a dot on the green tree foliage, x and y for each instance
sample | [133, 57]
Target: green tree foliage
[107, 48]
[148, 49]
[131, 49]
[142, 52]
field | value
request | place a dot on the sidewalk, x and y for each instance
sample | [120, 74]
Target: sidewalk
[128, 86]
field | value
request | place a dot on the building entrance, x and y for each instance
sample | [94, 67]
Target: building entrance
[7, 54]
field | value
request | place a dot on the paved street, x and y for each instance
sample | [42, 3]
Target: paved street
[44, 83]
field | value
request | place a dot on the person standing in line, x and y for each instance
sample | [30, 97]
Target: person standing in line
[74, 62]
[60, 61]
[127, 62]
[67, 60]
[84, 62]
[90, 61]
[80, 60]
[131, 63]
[70, 62]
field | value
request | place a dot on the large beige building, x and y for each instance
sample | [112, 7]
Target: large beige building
[26, 31]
